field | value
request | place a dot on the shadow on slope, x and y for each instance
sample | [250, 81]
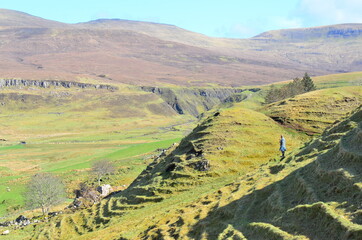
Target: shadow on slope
[315, 194]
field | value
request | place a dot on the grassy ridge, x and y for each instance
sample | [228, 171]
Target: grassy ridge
[306, 196]
[314, 111]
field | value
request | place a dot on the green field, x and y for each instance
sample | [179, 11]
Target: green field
[66, 130]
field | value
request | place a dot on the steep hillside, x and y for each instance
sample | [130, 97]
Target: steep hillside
[116, 50]
[313, 194]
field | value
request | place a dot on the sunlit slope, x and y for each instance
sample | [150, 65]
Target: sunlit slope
[313, 194]
[65, 129]
[314, 111]
[338, 80]
[39, 114]
[233, 141]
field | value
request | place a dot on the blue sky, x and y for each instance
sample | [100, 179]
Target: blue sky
[218, 18]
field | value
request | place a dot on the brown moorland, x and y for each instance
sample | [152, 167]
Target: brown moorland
[143, 53]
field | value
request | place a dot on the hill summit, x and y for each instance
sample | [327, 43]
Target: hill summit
[141, 53]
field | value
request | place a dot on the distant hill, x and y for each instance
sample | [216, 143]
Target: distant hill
[10, 18]
[141, 53]
[341, 31]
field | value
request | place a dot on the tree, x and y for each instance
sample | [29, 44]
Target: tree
[102, 168]
[297, 86]
[43, 191]
[308, 83]
[272, 95]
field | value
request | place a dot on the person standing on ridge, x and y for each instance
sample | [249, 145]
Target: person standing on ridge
[282, 145]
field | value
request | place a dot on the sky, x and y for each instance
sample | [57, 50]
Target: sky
[216, 18]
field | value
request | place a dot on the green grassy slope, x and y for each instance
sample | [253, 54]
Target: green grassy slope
[65, 130]
[168, 202]
[234, 141]
[314, 194]
[339, 80]
[312, 112]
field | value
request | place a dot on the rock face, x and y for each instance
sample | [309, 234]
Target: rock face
[202, 165]
[194, 101]
[51, 83]
[104, 190]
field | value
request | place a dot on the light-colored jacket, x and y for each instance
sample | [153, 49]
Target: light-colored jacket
[283, 147]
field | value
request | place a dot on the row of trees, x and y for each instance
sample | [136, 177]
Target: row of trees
[297, 86]
[45, 190]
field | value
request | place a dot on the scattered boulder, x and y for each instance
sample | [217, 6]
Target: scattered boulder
[85, 196]
[201, 165]
[20, 219]
[163, 153]
[52, 214]
[104, 190]
[6, 232]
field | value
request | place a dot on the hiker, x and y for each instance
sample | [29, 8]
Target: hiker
[282, 145]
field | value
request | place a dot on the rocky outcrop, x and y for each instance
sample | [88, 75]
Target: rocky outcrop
[51, 83]
[104, 190]
[194, 101]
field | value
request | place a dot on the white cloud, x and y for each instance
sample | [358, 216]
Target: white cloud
[330, 11]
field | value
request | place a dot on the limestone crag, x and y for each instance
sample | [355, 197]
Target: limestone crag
[195, 101]
[51, 83]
